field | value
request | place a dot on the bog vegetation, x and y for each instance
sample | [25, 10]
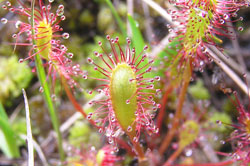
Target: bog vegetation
[141, 82]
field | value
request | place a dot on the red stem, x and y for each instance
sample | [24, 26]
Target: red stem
[169, 136]
[137, 147]
[162, 111]
[223, 163]
[125, 146]
[77, 106]
[172, 158]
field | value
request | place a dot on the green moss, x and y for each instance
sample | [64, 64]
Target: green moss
[6, 50]
[79, 133]
[86, 18]
[19, 127]
[221, 116]
[122, 9]
[100, 156]
[229, 106]
[105, 20]
[189, 133]
[198, 91]
[13, 77]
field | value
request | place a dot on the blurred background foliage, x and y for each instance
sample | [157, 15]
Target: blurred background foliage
[87, 22]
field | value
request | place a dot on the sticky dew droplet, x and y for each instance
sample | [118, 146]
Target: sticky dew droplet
[48, 7]
[53, 96]
[99, 91]
[70, 55]
[112, 119]
[188, 152]
[63, 18]
[65, 35]
[20, 60]
[156, 131]
[63, 48]
[110, 140]
[59, 12]
[90, 61]
[240, 28]
[116, 149]
[129, 129]
[4, 7]
[158, 91]
[89, 116]
[218, 122]
[4, 20]
[127, 101]
[14, 36]
[222, 142]
[135, 139]
[8, 3]
[85, 77]
[225, 16]
[41, 89]
[92, 148]
[222, 21]
[157, 78]
[100, 130]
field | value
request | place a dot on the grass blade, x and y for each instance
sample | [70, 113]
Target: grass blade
[117, 17]
[47, 95]
[138, 43]
[137, 39]
[29, 131]
[7, 136]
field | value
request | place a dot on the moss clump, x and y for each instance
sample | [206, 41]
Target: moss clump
[13, 77]
[198, 91]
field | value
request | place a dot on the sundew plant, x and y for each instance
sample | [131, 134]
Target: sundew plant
[113, 82]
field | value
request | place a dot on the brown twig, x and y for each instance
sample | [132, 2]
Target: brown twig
[229, 72]
[236, 45]
[214, 55]
[160, 10]
[161, 46]
[77, 115]
[229, 61]
[147, 23]
[130, 8]
[208, 150]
